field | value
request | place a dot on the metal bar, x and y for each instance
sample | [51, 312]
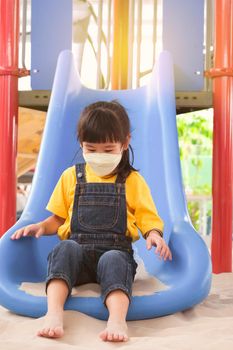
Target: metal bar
[219, 72]
[222, 188]
[119, 77]
[9, 39]
[24, 32]
[18, 72]
[139, 39]
[154, 37]
[99, 34]
[131, 43]
[108, 43]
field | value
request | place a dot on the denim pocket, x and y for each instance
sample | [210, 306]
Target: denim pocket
[98, 212]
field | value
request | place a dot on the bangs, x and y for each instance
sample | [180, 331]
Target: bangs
[101, 126]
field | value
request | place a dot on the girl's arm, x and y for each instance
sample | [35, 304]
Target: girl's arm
[51, 224]
[47, 227]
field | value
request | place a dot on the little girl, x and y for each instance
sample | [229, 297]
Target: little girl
[97, 209]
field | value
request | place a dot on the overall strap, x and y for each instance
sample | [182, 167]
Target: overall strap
[80, 173]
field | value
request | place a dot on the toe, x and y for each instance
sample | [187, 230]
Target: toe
[39, 333]
[51, 333]
[116, 337]
[110, 336]
[58, 332]
[43, 332]
[121, 337]
[103, 335]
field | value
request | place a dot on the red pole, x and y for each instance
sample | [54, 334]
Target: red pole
[9, 38]
[223, 138]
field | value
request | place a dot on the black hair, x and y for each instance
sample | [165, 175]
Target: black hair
[107, 122]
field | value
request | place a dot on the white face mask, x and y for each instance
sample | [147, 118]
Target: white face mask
[102, 163]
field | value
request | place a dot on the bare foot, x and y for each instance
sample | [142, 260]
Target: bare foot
[52, 327]
[115, 331]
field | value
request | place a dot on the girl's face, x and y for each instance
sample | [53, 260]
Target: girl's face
[106, 147]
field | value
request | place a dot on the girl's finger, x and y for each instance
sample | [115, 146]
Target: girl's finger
[13, 236]
[148, 244]
[28, 231]
[18, 233]
[39, 233]
[166, 256]
[170, 255]
[25, 233]
[158, 249]
[163, 251]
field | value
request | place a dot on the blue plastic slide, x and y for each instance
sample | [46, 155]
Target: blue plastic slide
[154, 139]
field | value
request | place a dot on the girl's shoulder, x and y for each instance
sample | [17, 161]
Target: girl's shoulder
[136, 186]
[69, 174]
[135, 178]
[69, 171]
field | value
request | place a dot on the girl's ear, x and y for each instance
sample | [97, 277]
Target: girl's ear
[127, 142]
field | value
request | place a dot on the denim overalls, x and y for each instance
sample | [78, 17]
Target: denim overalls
[98, 249]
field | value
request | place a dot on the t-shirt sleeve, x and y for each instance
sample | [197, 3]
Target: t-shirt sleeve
[145, 212]
[59, 201]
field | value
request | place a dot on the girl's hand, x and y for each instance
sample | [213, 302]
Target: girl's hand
[35, 230]
[154, 239]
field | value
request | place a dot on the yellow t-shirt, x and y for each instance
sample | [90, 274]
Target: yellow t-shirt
[141, 210]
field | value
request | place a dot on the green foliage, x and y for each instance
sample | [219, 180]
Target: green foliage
[194, 213]
[195, 132]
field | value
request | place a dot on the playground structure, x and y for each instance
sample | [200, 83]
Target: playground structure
[222, 85]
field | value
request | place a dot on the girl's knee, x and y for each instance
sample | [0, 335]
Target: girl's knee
[67, 246]
[112, 263]
[112, 257]
[66, 251]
